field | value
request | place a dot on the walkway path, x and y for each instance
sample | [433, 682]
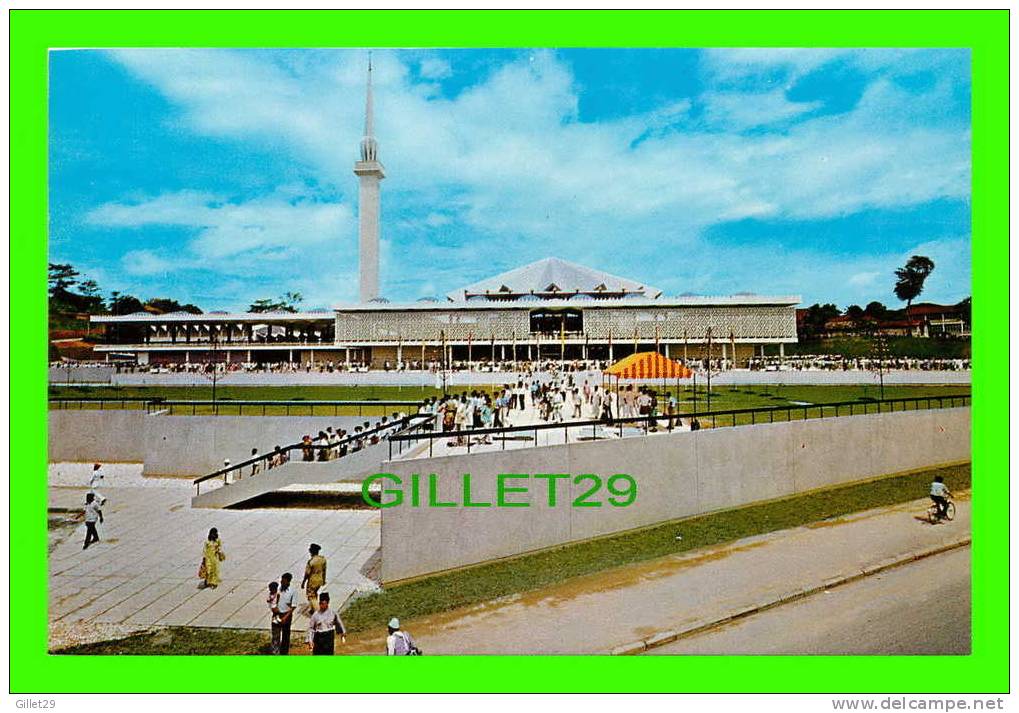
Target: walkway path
[595, 613]
[144, 572]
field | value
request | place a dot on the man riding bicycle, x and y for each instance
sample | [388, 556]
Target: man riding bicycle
[940, 495]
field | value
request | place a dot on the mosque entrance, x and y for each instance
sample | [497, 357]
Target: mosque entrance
[557, 321]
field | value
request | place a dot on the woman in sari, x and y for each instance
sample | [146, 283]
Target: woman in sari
[211, 557]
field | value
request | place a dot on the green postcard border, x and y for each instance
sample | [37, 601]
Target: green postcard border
[986, 33]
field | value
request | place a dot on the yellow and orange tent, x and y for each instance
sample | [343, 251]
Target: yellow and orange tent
[648, 365]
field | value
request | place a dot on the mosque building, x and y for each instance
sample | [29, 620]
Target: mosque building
[549, 309]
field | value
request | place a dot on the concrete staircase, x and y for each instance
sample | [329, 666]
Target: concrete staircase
[351, 468]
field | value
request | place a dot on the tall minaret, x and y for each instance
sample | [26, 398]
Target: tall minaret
[370, 171]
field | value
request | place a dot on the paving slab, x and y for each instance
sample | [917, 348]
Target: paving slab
[143, 572]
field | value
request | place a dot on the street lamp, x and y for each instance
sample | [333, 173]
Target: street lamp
[709, 369]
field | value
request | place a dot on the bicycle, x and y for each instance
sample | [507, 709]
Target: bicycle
[934, 515]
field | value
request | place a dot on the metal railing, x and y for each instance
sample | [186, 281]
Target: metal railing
[283, 408]
[656, 422]
[261, 463]
[230, 407]
[93, 402]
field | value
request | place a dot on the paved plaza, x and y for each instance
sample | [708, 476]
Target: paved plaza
[144, 571]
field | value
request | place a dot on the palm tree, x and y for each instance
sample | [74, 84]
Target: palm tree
[909, 282]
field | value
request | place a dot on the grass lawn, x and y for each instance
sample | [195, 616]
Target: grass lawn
[722, 398]
[180, 640]
[226, 394]
[485, 582]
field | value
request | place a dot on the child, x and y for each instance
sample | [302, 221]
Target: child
[275, 622]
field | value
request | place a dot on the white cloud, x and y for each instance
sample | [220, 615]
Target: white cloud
[229, 235]
[519, 166]
[740, 62]
[142, 263]
[862, 279]
[742, 110]
[434, 68]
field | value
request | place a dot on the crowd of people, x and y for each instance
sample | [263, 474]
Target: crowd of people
[283, 601]
[330, 444]
[835, 362]
[559, 398]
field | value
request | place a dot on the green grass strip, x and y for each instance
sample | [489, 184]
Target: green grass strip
[478, 584]
[181, 640]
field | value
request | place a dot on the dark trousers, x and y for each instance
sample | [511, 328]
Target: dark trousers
[323, 643]
[285, 636]
[91, 535]
[942, 504]
[277, 632]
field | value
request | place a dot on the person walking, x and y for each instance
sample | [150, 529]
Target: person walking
[275, 625]
[286, 606]
[92, 515]
[212, 555]
[322, 628]
[94, 481]
[314, 575]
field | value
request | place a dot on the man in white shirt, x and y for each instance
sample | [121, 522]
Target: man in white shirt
[93, 515]
[286, 607]
[399, 643]
[94, 481]
[322, 628]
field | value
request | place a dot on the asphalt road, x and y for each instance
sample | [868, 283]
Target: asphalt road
[920, 608]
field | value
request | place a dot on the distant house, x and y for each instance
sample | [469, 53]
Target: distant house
[848, 326]
[942, 320]
[926, 320]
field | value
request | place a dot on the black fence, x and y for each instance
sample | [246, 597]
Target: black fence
[229, 407]
[641, 425]
[88, 403]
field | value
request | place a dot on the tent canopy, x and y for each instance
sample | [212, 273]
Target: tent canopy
[648, 365]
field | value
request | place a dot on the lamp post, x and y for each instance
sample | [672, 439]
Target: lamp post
[442, 338]
[880, 349]
[709, 369]
[695, 392]
[215, 364]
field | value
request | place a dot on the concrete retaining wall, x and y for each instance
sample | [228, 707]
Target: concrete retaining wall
[678, 475]
[82, 436]
[82, 375]
[196, 445]
[176, 445]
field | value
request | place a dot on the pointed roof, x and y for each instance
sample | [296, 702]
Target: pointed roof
[554, 275]
[648, 365]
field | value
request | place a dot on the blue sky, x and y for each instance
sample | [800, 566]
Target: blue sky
[223, 176]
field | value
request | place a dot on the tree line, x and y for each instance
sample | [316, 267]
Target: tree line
[909, 283]
[72, 293]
